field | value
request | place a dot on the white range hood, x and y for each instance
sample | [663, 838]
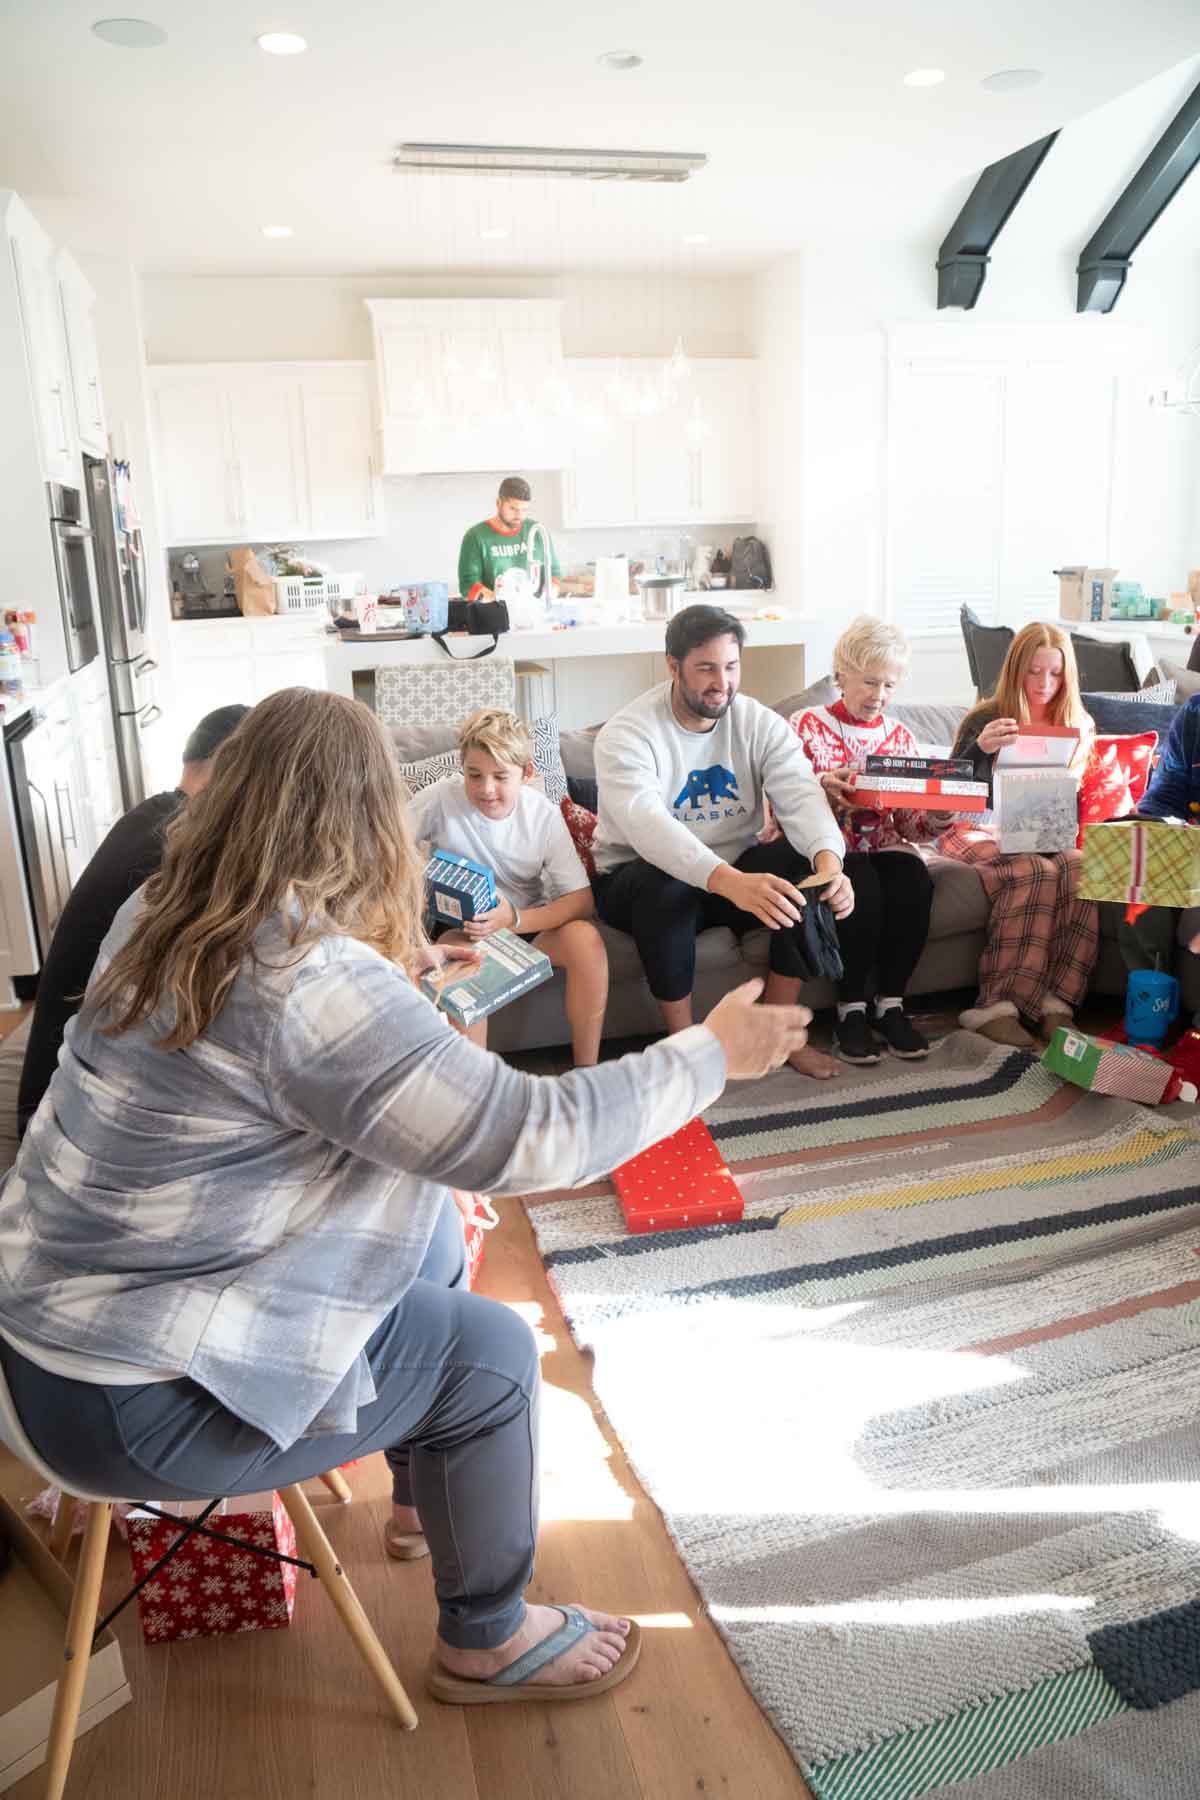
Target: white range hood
[469, 385]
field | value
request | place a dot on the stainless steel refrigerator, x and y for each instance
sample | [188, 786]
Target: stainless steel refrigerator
[121, 599]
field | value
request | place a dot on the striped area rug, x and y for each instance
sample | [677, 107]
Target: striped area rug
[923, 1424]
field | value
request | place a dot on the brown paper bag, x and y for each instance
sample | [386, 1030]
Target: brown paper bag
[254, 588]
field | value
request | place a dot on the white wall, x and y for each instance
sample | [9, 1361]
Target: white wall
[231, 319]
[823, 325]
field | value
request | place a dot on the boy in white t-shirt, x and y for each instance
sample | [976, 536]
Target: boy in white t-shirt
[493, 816]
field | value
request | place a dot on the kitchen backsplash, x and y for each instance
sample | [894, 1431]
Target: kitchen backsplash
[427, 515]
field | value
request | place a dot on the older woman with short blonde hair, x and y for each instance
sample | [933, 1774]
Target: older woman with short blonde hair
[882, 939]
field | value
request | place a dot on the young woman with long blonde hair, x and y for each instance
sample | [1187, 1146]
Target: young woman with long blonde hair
[1042, 939]
[229, 1259]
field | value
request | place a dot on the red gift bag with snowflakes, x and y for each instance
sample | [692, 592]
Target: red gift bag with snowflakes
[210, 1589]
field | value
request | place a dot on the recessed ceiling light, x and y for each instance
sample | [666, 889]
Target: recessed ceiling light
[282, 43]
[620, 59]
[924, 77]
[1011, 81]
[277, 231]
[494, 234]
[696, 237]
[130, 34]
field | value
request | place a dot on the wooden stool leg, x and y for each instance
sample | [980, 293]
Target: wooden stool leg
[81, 1626]
[338, 1486]
[64, 1519]
[316, 1548]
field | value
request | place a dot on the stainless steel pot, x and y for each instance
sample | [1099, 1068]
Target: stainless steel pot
[662, 595]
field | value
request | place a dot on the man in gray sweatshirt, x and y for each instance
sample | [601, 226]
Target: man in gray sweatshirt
[683, 773]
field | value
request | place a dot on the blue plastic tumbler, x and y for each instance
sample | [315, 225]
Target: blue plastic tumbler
[1151, 1003]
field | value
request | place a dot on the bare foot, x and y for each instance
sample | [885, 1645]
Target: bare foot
[592, 1656]
[811, 1061]
[404, 1518]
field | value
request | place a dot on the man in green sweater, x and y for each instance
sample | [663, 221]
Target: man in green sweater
[503, 542]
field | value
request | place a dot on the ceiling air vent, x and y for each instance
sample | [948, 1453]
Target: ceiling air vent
[577, 165]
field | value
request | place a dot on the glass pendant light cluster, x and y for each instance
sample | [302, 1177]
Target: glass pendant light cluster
[469, 380]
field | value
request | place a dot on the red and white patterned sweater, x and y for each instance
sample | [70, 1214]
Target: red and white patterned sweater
[834, 739]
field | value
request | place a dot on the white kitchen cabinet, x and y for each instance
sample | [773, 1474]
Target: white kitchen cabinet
[694, 462]
[720, 403]
[598, 484]
[194, 457]
[266, 452]
[339, 452]
[467, 385]
[78, 300]
[232, 662]
[265, 442]
[45, 344]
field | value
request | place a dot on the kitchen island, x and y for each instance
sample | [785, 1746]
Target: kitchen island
[585, 672]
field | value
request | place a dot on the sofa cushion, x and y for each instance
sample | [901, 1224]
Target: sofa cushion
[932, 724]
[821, 693]
[959, 903]
[1116, 777]
[578, 752]
[1186, 679]
[1126, 715]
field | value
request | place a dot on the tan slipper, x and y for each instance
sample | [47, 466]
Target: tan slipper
[405, 1546]
[511, 1683]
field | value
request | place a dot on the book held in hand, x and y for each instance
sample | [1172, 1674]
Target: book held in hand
[507, 966]
[458, 889]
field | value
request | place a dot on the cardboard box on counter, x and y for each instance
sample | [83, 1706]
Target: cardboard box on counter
[1085, 594]
[35, 1598]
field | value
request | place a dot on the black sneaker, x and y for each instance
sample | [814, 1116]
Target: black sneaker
[853, 1040]
[897, 1031]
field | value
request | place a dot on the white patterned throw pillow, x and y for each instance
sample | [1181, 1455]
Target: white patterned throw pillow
[443, 693]
[547, 757]
[423, 774]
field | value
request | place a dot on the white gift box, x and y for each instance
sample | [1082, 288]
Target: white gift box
[1036, 809]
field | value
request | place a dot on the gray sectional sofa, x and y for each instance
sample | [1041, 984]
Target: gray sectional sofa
[950, 961]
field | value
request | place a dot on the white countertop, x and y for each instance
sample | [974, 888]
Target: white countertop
[644, 638]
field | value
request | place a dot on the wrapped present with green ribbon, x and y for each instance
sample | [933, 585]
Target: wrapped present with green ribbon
[1142, 862]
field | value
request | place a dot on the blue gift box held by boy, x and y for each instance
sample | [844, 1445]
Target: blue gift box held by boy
[490, 813]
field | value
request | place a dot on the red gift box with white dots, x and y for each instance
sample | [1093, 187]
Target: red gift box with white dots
[678, 1183]
[209, 1589]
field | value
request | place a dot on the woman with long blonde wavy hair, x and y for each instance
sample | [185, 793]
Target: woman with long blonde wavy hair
[1042, 940]
[229, 1254]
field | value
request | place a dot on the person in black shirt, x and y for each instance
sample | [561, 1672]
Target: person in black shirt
[129, 855]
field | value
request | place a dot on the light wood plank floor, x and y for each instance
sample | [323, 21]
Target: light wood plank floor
[273, 1715]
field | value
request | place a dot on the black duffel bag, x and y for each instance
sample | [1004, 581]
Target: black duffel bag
[480, 618]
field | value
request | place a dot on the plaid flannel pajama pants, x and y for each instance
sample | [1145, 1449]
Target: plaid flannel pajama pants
[1042, 941]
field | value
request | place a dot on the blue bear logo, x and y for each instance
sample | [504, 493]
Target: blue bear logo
[717, 783]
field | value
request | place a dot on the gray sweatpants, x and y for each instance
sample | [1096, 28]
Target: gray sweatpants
[457, 1385]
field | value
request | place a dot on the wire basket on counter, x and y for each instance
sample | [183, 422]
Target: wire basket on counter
[301, 593]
